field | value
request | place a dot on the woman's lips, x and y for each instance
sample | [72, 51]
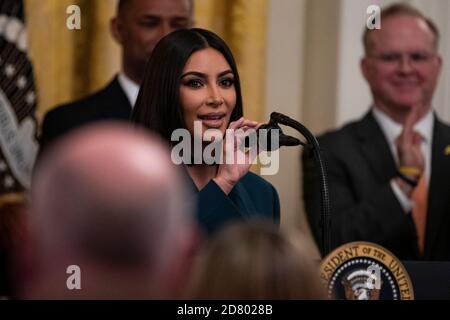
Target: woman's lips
[212, 120]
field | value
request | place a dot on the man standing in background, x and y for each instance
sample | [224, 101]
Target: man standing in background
[389, 172]
[138, 26]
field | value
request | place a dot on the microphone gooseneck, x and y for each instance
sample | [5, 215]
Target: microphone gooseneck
[313, 145]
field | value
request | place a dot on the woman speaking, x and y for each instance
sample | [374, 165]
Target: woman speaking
[192, 77]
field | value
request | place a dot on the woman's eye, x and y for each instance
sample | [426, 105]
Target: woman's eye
[194, 83]
[227, 82]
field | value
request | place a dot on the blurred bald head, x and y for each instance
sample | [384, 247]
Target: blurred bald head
[109, 197]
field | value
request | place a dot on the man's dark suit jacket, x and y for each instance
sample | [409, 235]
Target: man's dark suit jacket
[110, 103]
[251, 198]
[360, 166]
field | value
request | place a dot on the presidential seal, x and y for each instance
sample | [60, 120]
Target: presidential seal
[365, 271]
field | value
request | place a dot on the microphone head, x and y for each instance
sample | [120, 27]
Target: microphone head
[288, 141]
[264, 136]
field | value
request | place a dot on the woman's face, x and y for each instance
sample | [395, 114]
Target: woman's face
[207, 90]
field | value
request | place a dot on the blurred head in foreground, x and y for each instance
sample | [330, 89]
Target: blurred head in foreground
[255, 260]
[109, 214]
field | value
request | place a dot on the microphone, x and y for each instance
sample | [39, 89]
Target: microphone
[313, 146]
[264, 138]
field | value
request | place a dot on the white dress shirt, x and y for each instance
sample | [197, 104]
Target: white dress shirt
[130, 87]
[392, 131]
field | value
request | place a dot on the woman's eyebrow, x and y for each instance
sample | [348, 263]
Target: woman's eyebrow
[194, 73]
[202, 75]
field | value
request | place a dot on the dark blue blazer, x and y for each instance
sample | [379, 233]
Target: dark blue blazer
[364, 207]
[110, 103]
[251, 197]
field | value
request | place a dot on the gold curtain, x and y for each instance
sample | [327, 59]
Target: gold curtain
[72, 63]
[242, 23]
[69, 64]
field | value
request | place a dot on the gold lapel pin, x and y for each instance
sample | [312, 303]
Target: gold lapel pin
[447, 150]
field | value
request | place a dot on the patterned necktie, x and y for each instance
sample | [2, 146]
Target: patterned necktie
[419, 211]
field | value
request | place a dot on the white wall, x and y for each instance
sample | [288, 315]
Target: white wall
[284, 93]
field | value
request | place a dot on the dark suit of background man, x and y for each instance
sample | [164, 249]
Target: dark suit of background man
[138, 26]
[370, 201]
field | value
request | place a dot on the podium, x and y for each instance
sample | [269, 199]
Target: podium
[430, 279]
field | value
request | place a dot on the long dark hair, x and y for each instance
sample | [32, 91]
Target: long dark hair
[158, 105]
